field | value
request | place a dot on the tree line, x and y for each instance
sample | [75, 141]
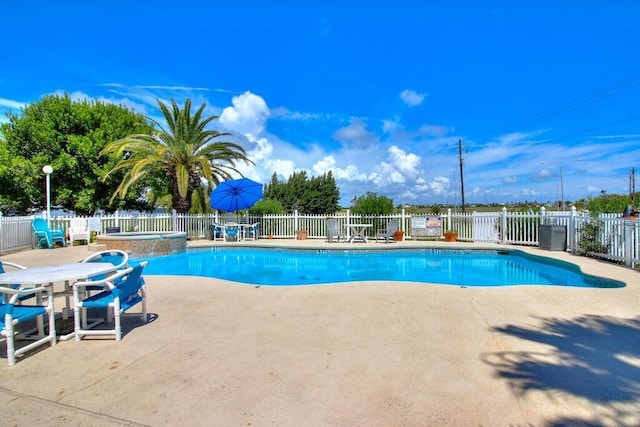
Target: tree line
[107, 157]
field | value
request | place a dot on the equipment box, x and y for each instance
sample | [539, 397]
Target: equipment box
[553, 237]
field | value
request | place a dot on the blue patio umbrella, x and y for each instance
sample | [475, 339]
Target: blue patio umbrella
[236, 194]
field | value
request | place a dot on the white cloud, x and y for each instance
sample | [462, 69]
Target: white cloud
[389, 126]
[593, 189]
[356, 133]
[440, 185]
[433, 130]
[510, 179]
[325, 165]
[247, 115]
[177, 88]
[530, 192]
[350, 173]
[261, 152]
[405, 162]
[11, 103]
[124, 99]
[412, 98]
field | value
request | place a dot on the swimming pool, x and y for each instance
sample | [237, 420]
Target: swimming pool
[293, 267]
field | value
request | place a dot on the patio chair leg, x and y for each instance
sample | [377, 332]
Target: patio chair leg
[118, 327]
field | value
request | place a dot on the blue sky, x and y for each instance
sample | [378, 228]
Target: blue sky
[378, 93]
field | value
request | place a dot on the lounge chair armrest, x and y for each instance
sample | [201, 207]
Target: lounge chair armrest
[107, 282]
[13, 265]
[21, 292]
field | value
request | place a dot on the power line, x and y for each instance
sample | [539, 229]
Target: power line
[628, 119]
[590, 98]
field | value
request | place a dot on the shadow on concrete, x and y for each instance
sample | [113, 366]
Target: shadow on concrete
[591, 357]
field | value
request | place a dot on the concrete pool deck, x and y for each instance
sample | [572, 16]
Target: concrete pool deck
[359, 354]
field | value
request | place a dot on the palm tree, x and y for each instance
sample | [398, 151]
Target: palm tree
[185, 153]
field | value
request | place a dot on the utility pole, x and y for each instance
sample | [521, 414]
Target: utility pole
[461, 175]
[632, 187]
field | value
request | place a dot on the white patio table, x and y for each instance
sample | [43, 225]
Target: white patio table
[50, 274]
[358, 232]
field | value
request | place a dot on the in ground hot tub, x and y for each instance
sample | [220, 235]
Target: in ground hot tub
[145, 243]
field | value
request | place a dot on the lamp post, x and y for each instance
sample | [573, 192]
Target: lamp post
[48, 170]
[561, 182]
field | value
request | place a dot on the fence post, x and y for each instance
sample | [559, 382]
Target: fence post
[571, 238]
[174, 220]
[296, 222]
[1, 235]
[628, 243]
[503, 225]
[449, 225]
[116, 215]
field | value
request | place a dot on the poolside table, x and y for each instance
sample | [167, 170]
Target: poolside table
[358, 232]
[50, 274]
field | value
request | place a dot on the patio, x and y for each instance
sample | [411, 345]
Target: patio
[358, 354]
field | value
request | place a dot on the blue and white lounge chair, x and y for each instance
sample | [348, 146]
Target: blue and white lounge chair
[13, 266]
[117, 257]
[217, 232]
[232, 231]
[47, 236]
[13, 314]
[122, 290]
[250, 232]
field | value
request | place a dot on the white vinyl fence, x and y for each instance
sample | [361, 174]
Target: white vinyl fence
[607, 236]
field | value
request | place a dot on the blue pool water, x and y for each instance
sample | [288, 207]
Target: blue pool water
[288, 267]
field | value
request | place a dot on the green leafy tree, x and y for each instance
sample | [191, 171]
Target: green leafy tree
[372, 204]
[316, 195]
[185, 153]
[68, 135]
[607, 203]
[267, 207]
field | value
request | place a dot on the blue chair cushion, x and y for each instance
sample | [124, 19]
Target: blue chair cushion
[20, 312]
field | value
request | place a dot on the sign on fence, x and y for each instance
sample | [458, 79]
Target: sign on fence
[426, 226]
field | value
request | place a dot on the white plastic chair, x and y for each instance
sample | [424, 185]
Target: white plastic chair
[79, 230]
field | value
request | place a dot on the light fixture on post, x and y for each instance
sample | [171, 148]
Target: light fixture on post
[48, 170]
[561, 182]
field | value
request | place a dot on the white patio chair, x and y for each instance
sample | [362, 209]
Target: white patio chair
[79, 230]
